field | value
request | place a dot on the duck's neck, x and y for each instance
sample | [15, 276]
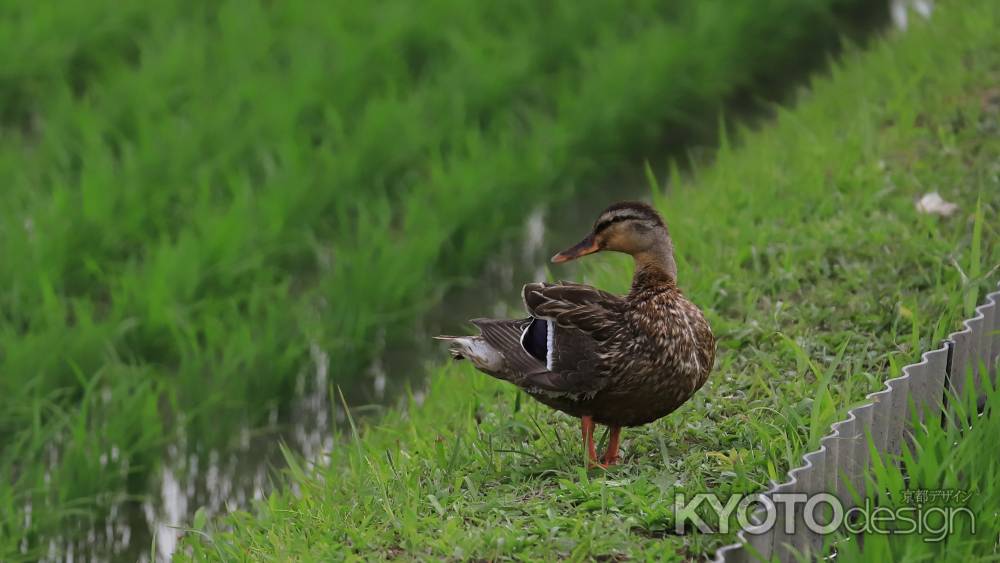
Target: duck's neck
[655, 267]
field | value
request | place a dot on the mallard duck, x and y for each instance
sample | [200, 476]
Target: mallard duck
[620, 361]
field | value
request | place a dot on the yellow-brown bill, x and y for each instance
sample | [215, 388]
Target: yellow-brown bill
[582, 248]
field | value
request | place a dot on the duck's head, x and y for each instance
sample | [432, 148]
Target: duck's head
[631, 227]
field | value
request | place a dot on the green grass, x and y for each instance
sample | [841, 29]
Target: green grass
[944, 459]
[801, 242]
[196, 192]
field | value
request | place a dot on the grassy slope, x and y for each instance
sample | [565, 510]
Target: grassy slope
[188, 194]
[819, 277]
[190, 189]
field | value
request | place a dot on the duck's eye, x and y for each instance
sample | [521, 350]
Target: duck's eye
[640, 227]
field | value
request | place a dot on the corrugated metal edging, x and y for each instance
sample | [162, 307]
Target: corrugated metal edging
[838, 466]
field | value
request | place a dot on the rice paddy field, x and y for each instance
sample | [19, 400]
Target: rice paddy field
[219, 218]
[821, 279]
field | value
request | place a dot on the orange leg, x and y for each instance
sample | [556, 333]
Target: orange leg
[611, 454]
[587, 429]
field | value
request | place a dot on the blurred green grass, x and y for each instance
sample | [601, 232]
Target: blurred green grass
[195, 192]
[820, 279]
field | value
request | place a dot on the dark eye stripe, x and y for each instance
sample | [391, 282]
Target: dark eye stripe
[608, 222]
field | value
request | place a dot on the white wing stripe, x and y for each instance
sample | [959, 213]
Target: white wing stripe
[550, 334]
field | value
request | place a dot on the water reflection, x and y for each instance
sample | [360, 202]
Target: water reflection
[226, 482]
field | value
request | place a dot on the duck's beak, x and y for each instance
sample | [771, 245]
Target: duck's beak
[582, 248]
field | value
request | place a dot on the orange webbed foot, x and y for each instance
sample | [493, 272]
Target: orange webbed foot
[611, 454]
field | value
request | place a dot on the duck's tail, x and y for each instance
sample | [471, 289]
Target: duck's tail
[456, 347]
[476, 349]
[497, 350]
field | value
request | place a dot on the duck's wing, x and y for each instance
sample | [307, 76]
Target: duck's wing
[576, 320]
[576, 306]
